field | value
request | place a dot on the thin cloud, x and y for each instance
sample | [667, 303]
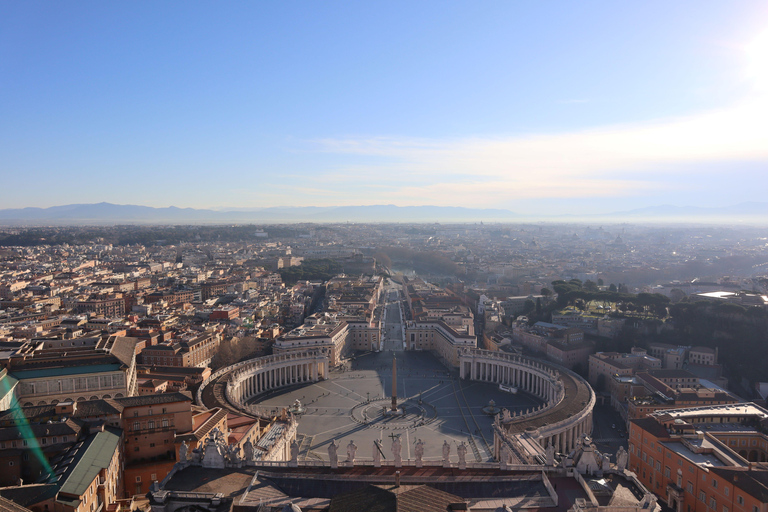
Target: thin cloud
[599, 162]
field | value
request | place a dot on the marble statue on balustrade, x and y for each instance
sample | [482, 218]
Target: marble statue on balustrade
[462, 451]
[419, 453]
[446, 454]
[506, 417]
[504, 456]
[248, 451]
[294, 454]
[183, 452]
[621, 459]
[351, 451]
[215, 450]
[586, 458]
[332, 454]
[235, 458]
[551, 455]
[606, 462]
[396, 450]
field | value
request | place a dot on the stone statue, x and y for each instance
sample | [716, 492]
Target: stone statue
[505, 416]
[462, 451]
[446, 454]
[606, 462]
[621, 459]
[376, 453]
[351, 450]
[551, 455]
[332, 456]
[234, 455]
[294, 453]
[183, 452]
[248, 450]
[505, 454]
[396, 449]
[419, 453]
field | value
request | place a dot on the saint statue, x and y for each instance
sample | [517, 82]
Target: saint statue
[351, 450]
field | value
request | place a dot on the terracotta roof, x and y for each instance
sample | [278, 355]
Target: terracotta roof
[160, 398]
[752, 481]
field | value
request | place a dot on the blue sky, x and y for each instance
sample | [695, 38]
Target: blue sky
[564, 106]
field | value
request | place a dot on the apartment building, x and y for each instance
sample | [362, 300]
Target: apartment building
[695, 461]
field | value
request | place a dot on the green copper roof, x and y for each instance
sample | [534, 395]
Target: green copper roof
[90, 461]
[64, 370]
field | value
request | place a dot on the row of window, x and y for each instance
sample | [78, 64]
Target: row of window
[43, 441]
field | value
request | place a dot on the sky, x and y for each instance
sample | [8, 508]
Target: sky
[563, 107]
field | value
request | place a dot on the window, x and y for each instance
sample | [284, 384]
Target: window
[24, 442]
[136, 425]
[712, 504]
[153, 477]
[26, 456]
[44, 440]
[726, 491]
[165, 423]
[64, 439]
[725, 509]
[138, 479]
[702, 497]
[690, 487]
[55, 440]
[10, 463]
[740, 500]
[703, 477]
[714, 483]
[667, 472]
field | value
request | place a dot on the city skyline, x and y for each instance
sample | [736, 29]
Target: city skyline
[570, 109]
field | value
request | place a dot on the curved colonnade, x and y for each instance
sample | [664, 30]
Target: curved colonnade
[248, 379]
[569, 400]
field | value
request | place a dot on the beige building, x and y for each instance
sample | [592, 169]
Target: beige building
[49, 372]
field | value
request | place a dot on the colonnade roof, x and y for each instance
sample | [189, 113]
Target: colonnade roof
[577, 396]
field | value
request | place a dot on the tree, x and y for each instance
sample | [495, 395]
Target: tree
[600, 282]
[528, 306]
[590, 286]
[538, 306]
[612, 288]
[546, 292]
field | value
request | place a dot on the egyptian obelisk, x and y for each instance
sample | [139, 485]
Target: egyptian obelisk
[394, 384]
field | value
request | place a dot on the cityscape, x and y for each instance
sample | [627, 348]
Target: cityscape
[374, 257]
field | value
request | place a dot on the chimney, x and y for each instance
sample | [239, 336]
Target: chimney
[397, 478]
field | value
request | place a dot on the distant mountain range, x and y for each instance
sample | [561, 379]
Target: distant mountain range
[108, 213]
